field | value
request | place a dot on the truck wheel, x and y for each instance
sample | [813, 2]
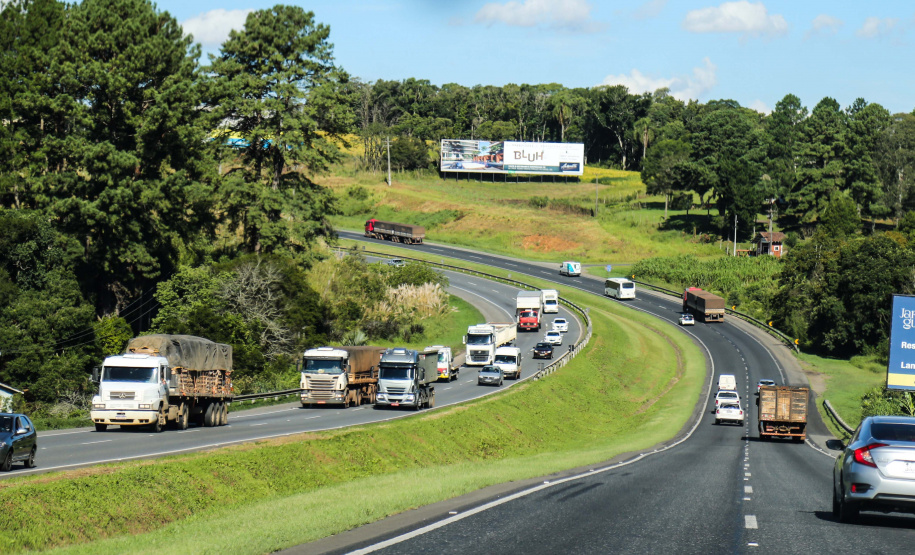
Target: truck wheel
[157, 426]
[432, 401]
[182, 421]
[208, 415]
[101, 427]
[224, 412]
[359, 398]
[346, 399]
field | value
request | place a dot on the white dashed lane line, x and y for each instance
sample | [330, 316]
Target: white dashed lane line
[100, 441]
[750, 521]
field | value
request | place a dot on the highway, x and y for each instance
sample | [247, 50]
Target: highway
[714, 489]
[67, 449]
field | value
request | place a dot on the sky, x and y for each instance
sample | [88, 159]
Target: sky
[751, 52]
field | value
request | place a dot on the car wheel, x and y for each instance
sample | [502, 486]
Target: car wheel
[8, 463]
[741, 422]
[30, 462]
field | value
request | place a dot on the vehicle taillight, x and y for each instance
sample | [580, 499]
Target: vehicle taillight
[863, 454]
[741, 413]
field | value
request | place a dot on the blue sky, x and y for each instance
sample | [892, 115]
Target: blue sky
[751, 52]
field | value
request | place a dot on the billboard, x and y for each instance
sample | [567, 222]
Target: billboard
[901, 371]
[459, 155]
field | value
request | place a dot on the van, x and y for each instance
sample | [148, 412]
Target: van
[569, 268]
[550, 300]
[509, 360]
[727, 381]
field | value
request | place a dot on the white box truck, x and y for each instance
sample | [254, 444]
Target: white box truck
[483, 339]
[550, 301]
[446, 369]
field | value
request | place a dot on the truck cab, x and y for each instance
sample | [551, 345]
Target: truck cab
[509, 360]
[404, 376]
[133, 389]
[324, 376]
[550, 301]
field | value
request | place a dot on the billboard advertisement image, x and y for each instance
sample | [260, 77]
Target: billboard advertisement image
[901, 371]
[511, 157]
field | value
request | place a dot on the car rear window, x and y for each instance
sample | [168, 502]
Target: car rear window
[892, 431]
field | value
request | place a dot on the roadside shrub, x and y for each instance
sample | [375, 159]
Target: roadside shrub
[539, 202]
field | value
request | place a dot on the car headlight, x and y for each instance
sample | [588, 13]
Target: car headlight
[2, 444]
[98, 405]
[146, 406]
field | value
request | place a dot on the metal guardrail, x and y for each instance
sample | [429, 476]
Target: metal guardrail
[784, 337]
[268, 395]
[835, 416]
[550, 368]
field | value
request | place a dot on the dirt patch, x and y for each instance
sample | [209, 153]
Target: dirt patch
[548, 243]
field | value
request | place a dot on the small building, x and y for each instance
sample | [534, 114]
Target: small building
[6, 397]
[769, 243]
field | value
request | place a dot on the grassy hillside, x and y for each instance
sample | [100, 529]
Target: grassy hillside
[635, 384]
[540, 221]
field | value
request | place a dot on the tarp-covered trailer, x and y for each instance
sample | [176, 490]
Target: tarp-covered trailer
[704, 305]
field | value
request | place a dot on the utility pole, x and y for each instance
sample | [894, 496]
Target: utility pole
[388, 141]
[596, 181]
[735, 234]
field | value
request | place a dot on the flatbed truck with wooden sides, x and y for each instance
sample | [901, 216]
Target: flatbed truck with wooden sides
[782, 412]
[345, 376]
[703, 305]
[392, 231]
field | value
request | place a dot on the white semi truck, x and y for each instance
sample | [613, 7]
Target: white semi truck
[483, 339]
[164, 379]
[405, 378]
[340, 375]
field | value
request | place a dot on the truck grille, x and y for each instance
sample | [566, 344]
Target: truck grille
[121, 395]
[396, 390]
[322, 394]
[321, 383]
[479, 355]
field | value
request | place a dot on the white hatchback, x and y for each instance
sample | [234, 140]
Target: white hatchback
[729, 412]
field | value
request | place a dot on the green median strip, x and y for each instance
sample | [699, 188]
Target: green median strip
[635, 385]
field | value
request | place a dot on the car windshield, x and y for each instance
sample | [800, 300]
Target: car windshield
[323, 366]
[489, 369]
[395, 373]
[505, 359]
[543, 346]
[479, 338]
[129, 374]
[893, 431]
[6, 424]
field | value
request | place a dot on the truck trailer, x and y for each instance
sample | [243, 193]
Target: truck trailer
[782, 412]
[483, 339]
[704, 305]
[340, 375]
[391, 231]
[405, 378]
[529, 310]
[164, 379]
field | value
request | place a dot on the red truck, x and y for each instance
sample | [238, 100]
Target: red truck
[399, 233]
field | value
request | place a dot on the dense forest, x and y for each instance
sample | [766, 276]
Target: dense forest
[142, 188]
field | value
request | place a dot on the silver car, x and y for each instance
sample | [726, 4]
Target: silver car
[876, 470]
[490, 375]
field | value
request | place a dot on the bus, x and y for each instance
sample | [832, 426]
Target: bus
[620, 288]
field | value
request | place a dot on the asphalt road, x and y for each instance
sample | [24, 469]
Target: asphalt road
[59, 450]
[717, 489]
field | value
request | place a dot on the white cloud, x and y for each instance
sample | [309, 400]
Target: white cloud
[702, 80]
[874, 27]
[531, 13]
[212, 28]
[760, 107]
[650, 9]
[736, 17]
[825, 24]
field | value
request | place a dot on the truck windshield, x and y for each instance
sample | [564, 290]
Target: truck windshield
[129, 374]
[528, 314]
[505, 359]
[441, 356]
[395, 372]
[550, 302]
[323, 366]
[479, 339]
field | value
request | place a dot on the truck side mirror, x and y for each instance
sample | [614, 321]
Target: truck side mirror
[464, 340]
[95, 374]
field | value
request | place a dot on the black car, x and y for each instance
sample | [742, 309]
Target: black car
[543, 350]
[18, 441]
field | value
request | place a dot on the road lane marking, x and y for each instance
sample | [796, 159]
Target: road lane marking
[100, 441]
[748, 489]
[747, 474]
[188, 431]
[259, 424]
[750, 521]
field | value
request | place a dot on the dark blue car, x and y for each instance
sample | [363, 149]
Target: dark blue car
[18, 441]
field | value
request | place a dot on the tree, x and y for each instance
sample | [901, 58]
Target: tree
[660, 170]
[894, 156]
[274, 84]
[822, 151]
[783, 126]
[840, 217]
[866, 123]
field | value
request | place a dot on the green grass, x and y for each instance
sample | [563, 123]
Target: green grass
[635, 385]
[846, 382]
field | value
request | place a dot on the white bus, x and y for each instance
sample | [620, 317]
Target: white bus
[621, 288]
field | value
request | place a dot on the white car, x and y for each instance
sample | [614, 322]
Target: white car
[726, 396]
[729, 412]
[560, 325]
[764, 382]
[553, 337]
[686, 319]
[397, 263]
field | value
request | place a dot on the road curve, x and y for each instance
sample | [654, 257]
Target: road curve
[720, 490]
[68, 449]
